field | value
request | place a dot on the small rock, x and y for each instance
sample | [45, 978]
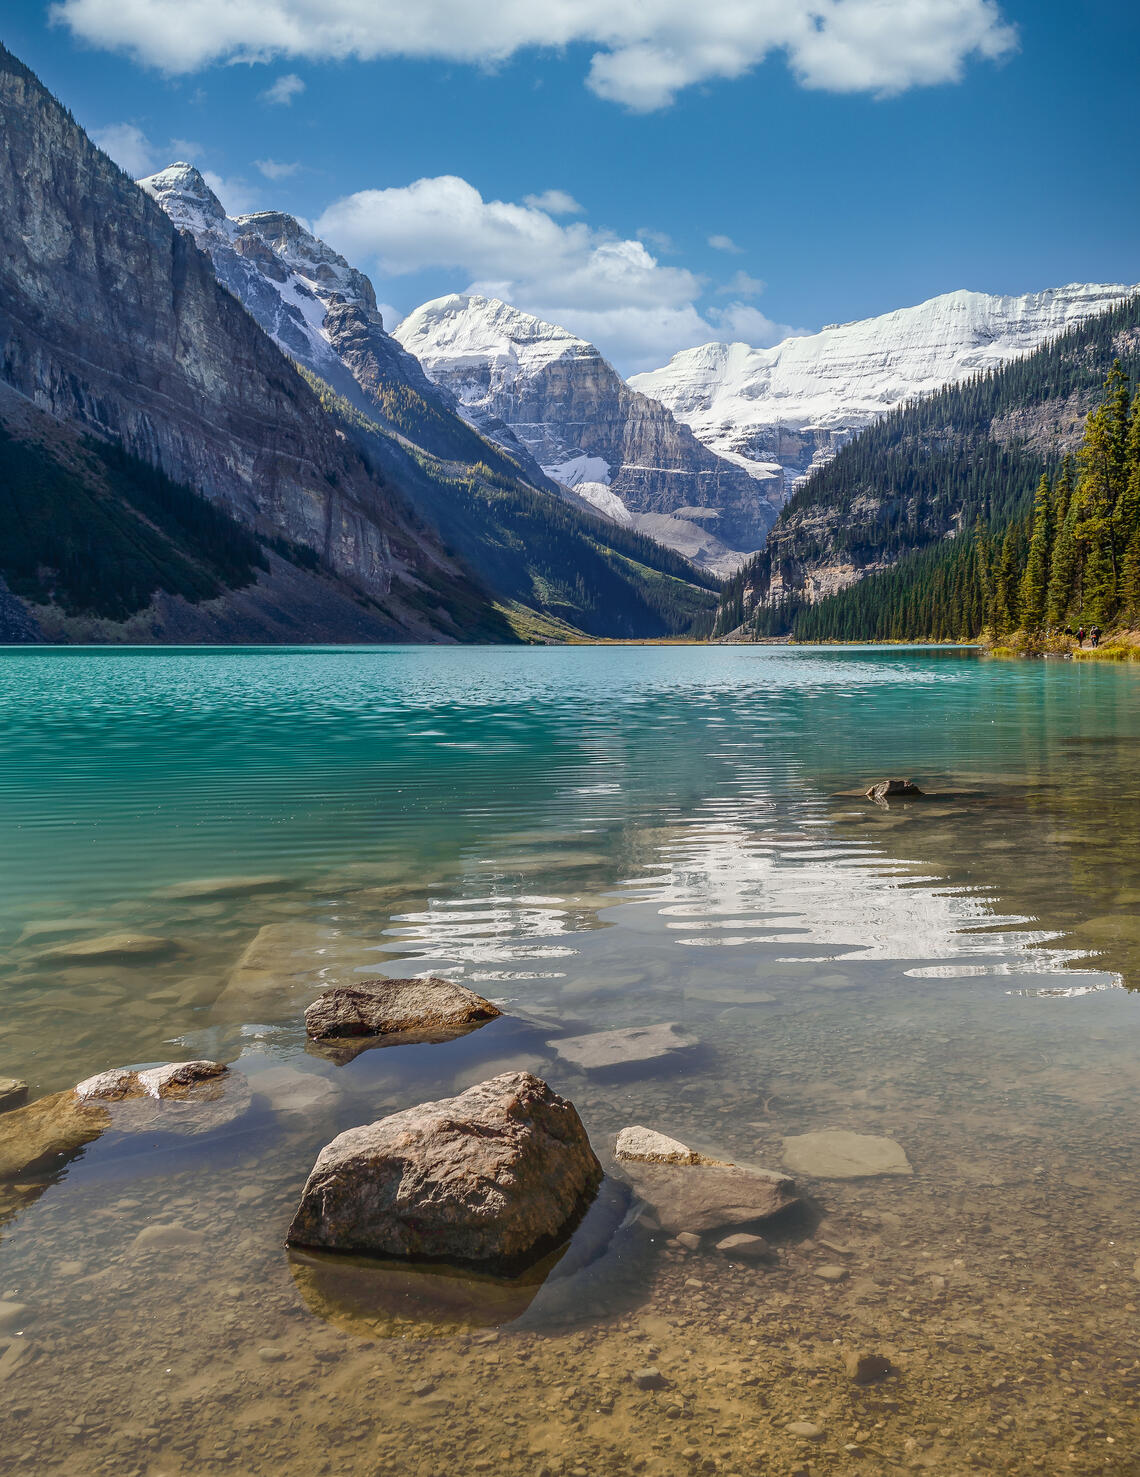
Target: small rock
[867, 1369]
[167, 1237]
[270, 1355]
[745, 1248]
[689, 1240]
[14, 1316]
[831, 1273]
[650, 1147]
[884, 789]
[70, 1269]
[604, 1050]
[13, 1093]
[838, 1154]
[423, 1387]
[805, 1430]
[649, 1379]
[383, 1007]
[494, 1176]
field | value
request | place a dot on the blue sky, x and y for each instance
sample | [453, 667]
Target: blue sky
[722, 170]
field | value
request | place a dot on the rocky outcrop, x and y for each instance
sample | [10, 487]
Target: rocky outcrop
[621, 451]
[494, 1177]
[322, 311]
[112, 320]
[388, 1007]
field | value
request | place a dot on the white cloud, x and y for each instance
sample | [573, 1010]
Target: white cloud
[649, 49]
[273, 169]
[742, 285]
[554, 202]
[130, 148]
[725, 243]
[283, 91]
[235, 195]
[611, 291]
[744, 324]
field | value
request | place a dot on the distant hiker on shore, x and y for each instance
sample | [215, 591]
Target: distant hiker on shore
[1080, 635]
[1094, 635]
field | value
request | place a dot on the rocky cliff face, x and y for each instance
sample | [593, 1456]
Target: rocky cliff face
[323, 313]
[618, 449]
[113, 320]
[796, 404]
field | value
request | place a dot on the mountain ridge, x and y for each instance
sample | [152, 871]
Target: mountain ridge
[799, 401]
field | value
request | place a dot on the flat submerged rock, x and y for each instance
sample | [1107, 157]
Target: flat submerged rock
[112, 946]
[604, 1050]
[838, 1154]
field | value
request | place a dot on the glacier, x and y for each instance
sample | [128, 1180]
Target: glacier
[796, 403]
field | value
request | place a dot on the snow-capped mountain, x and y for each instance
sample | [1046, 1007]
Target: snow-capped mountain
[620, 451]
[320, 310]
[796, 403]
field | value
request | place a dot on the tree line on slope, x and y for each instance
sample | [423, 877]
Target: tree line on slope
[1074, 559]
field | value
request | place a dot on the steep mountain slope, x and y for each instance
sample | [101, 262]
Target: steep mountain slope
[323, 313]
[903, 493]
[798, 402]
[617, 449]
[113, 322]
[489, 498]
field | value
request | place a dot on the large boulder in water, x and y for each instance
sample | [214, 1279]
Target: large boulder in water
[395, 1007]
[494, 1177]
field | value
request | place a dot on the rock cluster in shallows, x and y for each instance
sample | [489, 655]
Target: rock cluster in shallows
[494, 1177]
[188, 1098]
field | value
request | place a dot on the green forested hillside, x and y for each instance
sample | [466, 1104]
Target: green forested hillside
[532, 548]
[942, 492]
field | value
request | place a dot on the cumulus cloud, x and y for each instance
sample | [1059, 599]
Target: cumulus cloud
[649, 50]
[274, 169]
[555, 202]
[744, 324]
[614, 292]
[725, 243]
[283, 91]
[129, 147]
[235, 195]
[742, 285]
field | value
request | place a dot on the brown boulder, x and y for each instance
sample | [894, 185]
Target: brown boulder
[495, 1177]
[386, 1007]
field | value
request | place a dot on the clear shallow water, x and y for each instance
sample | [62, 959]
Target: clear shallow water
[596, 838]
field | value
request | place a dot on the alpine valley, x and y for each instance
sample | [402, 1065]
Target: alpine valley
[208, 434]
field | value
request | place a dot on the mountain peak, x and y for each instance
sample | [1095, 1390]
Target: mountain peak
[311, 258]
[183, 193]
[467, 326]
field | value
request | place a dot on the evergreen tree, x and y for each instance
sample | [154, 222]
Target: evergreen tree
[1035, 580]
[1064, 562]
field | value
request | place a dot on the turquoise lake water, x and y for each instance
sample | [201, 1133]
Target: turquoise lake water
[595, 838]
